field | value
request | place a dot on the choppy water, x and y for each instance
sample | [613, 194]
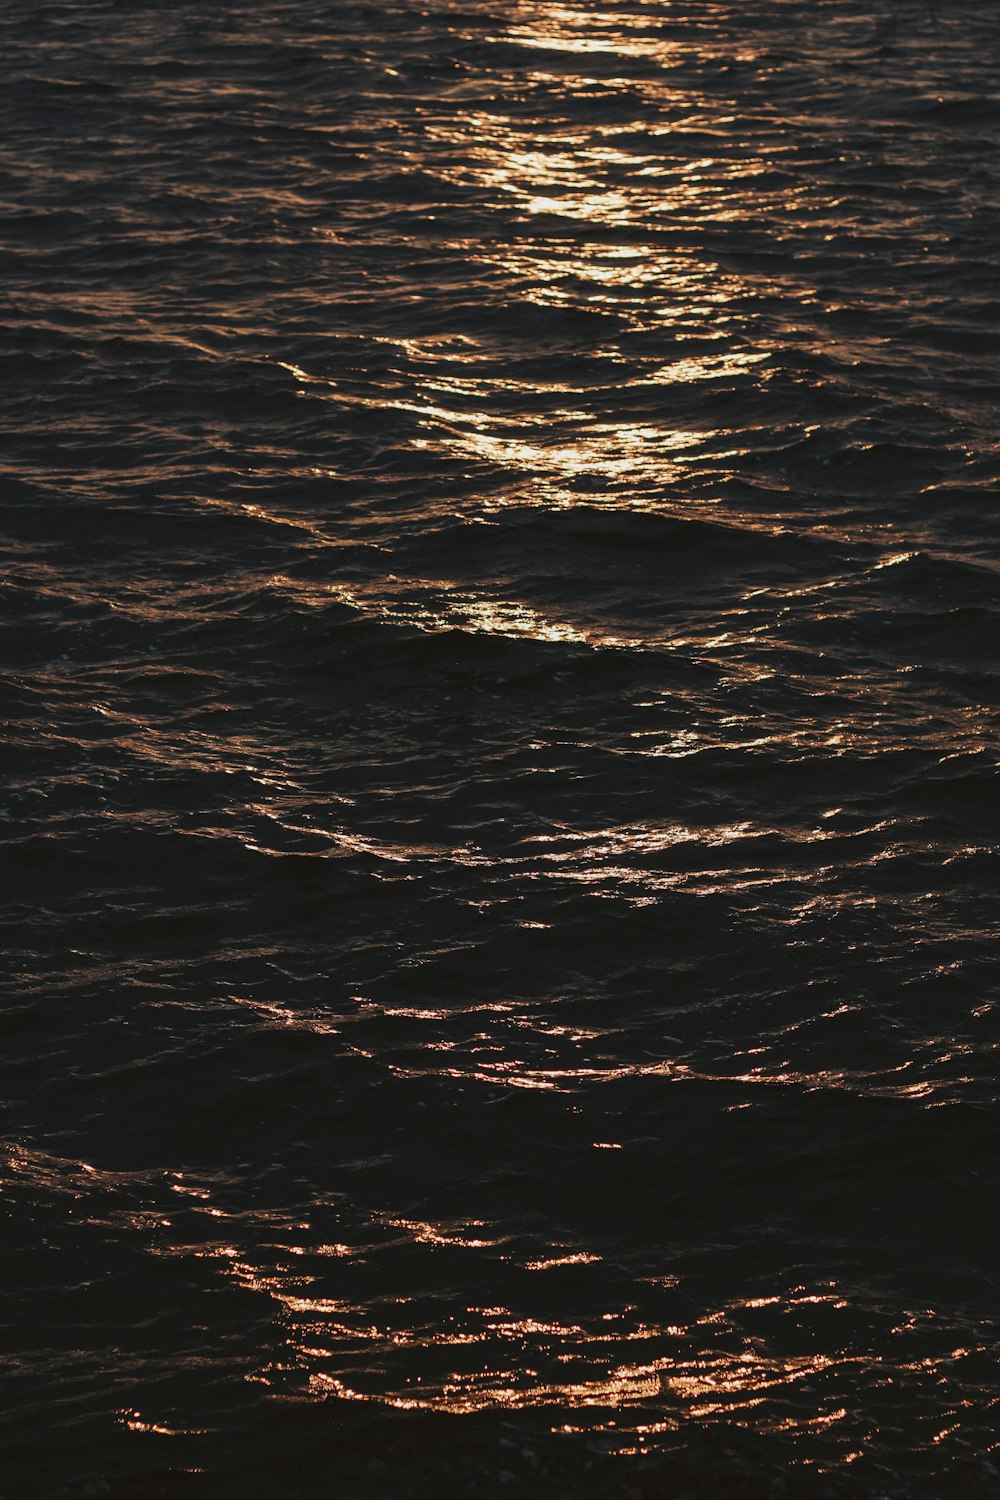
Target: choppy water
[501, 811]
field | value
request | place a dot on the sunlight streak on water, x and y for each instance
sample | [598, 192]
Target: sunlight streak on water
[504, 728]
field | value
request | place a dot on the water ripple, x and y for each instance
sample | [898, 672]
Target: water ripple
[502, 737]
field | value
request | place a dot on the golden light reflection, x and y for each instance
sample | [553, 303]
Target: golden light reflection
[134, 1421]
[580, 1258]
[572, 29]
[454, 1234]
[441, 606]
[594, 175]
[600, 456]
[637, 1377]
[715, 1386]
[592, 209]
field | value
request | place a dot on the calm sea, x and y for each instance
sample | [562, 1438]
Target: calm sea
[501, 587]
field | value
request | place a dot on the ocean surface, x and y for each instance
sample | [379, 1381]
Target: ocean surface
[501, 601]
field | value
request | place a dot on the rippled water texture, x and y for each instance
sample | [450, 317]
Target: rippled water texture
[501, 808]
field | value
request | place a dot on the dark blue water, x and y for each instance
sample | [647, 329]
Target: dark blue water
[501, 598]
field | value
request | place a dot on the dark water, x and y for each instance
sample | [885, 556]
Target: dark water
[501, 601]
